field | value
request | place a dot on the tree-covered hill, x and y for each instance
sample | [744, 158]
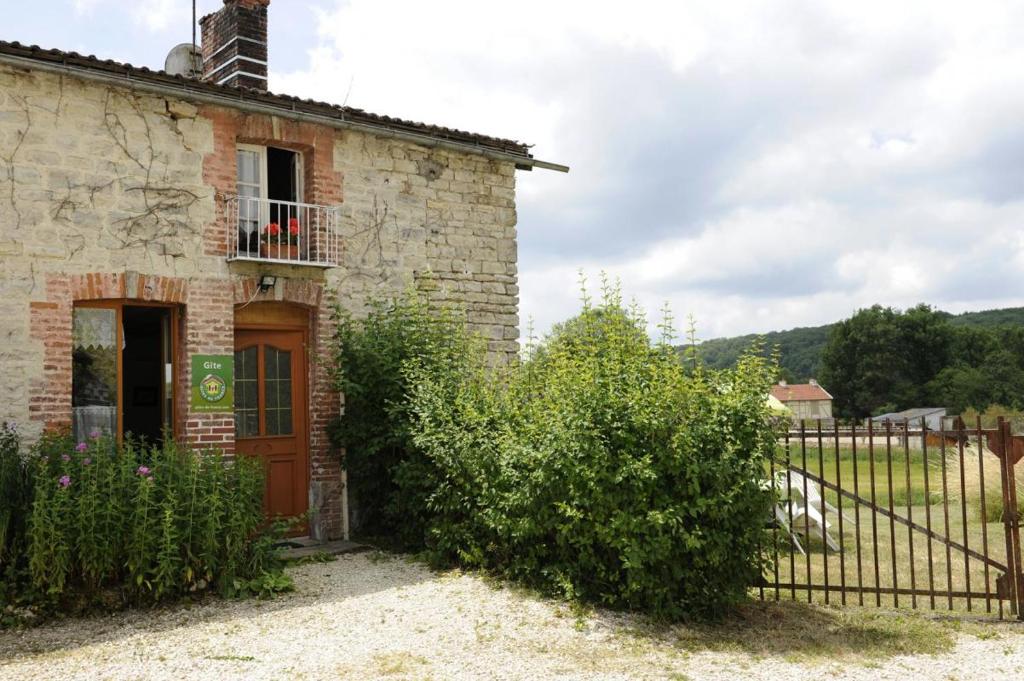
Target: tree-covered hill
[800, 349]
[989, 318]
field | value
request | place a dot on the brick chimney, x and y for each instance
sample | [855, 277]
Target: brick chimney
[235, 44]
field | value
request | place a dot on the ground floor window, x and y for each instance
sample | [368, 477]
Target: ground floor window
[123, 369]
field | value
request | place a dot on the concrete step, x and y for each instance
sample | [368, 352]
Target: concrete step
[303, 547]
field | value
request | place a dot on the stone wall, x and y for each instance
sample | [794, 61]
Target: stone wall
[409, 209]
[94, 182]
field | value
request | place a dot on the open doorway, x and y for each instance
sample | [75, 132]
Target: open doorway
[143, 362]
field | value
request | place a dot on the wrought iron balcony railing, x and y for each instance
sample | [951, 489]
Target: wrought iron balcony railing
[284, 232]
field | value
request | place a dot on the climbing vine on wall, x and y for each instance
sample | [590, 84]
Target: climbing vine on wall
[147, 202]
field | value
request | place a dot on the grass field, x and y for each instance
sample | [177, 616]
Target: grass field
[947, 500]
[855, 473]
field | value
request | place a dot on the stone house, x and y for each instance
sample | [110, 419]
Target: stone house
[172, 245]
[806, 401]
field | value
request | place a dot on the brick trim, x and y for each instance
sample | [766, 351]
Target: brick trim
[322, 183]
[50, 323]
[298, 291]
[128, 286]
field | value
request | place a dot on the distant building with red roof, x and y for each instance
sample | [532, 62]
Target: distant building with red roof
[805, 400]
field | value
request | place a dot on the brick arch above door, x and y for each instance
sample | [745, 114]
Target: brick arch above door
[128, 285]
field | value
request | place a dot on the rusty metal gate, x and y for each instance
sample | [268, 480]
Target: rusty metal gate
[899, 515]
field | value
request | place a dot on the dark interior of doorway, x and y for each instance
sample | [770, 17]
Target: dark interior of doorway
[142, 372]
[282, 184]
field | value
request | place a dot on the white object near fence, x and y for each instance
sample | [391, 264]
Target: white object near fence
[795, 508]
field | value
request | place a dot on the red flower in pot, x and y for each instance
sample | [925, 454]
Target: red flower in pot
[278, 243]
[273, 233]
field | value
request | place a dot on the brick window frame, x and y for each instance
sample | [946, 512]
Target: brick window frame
[322, 184]
[50, 325]
[176, 352]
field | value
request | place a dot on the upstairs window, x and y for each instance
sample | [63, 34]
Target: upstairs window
[270, 190]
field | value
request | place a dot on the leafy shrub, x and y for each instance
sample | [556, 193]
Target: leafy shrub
[597, 469]
[142, 524]
[369, 354]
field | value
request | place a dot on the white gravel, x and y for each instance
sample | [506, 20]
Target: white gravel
[363, 617]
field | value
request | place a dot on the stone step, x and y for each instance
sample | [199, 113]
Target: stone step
[304, 547]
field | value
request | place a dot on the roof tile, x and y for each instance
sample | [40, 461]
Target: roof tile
[799, 392]
[91, 62]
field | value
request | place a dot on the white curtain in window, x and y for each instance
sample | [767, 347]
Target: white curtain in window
[94, 328]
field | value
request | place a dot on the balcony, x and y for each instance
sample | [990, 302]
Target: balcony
[282, 232]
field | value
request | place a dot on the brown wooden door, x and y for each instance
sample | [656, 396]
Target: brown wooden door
[270, 413]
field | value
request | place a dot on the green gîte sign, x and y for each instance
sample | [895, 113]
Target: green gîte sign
[213, 383]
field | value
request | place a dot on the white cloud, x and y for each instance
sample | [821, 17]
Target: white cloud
[761, 164]
[153, 15]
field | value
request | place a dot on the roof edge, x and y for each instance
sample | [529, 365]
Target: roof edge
[158, 82]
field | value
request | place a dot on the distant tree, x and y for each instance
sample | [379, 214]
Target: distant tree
[959, 387]
[862, 362]
[924, 341]
[786, 375]
[986, 368]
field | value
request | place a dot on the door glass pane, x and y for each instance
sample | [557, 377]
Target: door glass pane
[94, 371]
[246, 416]
[278, 390]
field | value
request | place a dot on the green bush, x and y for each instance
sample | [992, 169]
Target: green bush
[598, 468]
[369, 354]
[113, 525]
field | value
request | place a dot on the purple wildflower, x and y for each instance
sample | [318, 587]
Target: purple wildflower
[86, 461]
[65, 457]
[64, 481]
[81, 447]
[95, 434]
[143, 470]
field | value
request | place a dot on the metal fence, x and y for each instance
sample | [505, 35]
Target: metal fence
[282, 231]
[902, 516]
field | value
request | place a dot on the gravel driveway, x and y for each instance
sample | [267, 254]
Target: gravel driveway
[366, 616]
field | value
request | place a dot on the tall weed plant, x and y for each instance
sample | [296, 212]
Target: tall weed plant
[108, 524]
[598, 468]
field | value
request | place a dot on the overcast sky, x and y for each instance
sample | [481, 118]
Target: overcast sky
[759, 165]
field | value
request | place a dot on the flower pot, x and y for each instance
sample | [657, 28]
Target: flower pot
[279, 251]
